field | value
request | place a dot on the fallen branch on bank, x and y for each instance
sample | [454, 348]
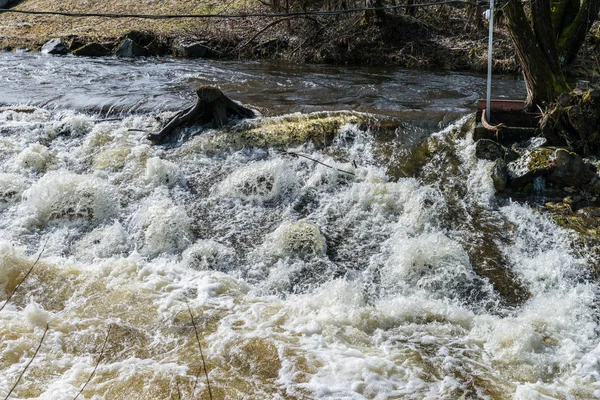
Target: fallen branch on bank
[276, 22]
[211, 106]
[311, 37]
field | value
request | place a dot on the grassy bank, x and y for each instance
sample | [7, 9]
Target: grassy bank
[441, 37]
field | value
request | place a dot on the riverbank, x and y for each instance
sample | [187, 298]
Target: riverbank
[435, 38]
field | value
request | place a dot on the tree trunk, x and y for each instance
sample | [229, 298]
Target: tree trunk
[543, 76]
[541, 20]
[211, 106]
[572, 35]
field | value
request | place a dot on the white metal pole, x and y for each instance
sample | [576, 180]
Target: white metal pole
[489, 77]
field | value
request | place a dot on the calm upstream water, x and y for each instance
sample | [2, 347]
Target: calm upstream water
[305, 282]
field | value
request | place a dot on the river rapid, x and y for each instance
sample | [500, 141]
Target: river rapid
[369, 280]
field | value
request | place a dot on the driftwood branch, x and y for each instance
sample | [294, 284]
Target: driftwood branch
[211, 106]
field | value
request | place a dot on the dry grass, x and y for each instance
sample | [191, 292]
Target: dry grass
[32, 30]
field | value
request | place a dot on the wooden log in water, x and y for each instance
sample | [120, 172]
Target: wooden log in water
[211, 106]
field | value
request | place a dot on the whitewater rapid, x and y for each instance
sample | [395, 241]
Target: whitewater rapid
[305, 282]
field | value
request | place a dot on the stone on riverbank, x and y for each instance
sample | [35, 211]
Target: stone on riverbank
[192, 50]
[571, 170]
[130, 49]
[560, 167]
[532, 164]
[92, 50]
[486, 149]
[55, 46]
[499, 175]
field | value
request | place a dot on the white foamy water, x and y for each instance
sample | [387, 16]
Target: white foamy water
[304, 281]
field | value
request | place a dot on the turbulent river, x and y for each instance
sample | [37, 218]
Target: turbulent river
[389, 276]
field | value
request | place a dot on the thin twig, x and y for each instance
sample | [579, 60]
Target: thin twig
[257, 34]
[25, 277]
[310, 38]
[201, 354]
[29, 363]
[97, 362]
[318, 162]
[277, 21]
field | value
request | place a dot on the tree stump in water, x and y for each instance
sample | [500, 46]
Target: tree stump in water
[211, 106]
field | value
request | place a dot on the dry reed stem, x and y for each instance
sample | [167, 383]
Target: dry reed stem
[25, 277]
[201, 354]
[97, 363]
[29, 363]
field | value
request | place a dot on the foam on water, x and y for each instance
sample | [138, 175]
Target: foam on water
[104, 242]
[162, 226]
[209, 255]
[12, 187]
[262, 180]
[35, 157]
[61, 196]
[298, 238]
[304, 281]
[160, 172]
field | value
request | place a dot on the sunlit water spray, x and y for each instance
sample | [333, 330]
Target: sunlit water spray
[306, 281]
[353, 282]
